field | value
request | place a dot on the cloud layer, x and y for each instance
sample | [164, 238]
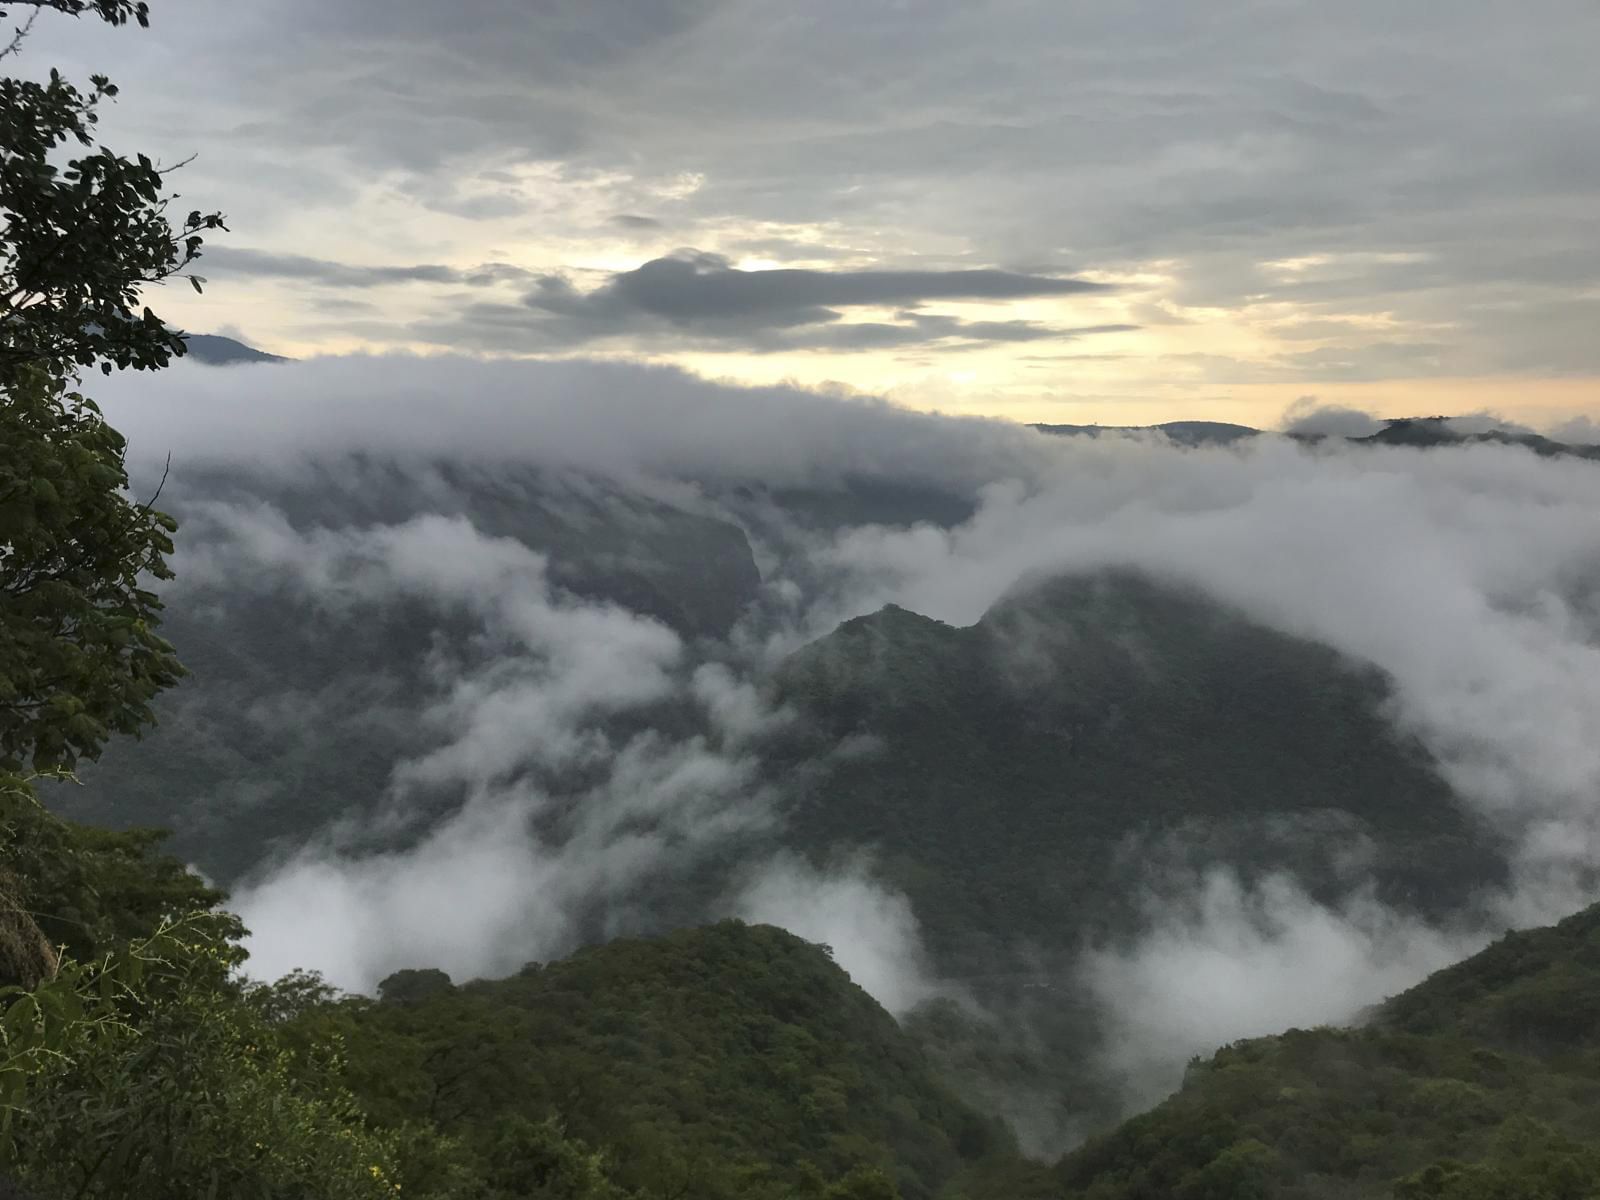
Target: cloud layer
[1470, 575]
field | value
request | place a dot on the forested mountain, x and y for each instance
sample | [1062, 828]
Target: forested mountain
[1089, 726]
[736, 1060]
[731, 1060]
[1480, 1082]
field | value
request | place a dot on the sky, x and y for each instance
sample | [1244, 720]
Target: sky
[1043, 210]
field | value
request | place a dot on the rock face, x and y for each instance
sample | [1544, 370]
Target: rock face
[27, 958]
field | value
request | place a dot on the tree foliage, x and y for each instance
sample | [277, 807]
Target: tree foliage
[1481, 1083]
[728, 1061]
[147, 1073]
[80, 658]
[79, 241]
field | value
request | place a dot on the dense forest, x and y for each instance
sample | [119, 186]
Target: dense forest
[730, 1060]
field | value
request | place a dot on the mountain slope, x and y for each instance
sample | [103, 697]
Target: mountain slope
[734, 1059]
[300, 702]
[1480, 1082]
[1022, 778]
[214, 350]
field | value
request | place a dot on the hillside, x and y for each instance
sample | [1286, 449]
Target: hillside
[1110, 727]
[213, 350]
[1426, 432]
[1480, 1082]
[300, 703]
[729, 1060]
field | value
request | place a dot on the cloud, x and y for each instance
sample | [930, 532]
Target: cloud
[619, 419]
[702, 287]
[636, 221]
[1470, 576]
[559, 815]
[1307, 417]
[1577, 431]
[870, 930]
[1414, 170]
[241, 260]
[1221, 961]
[696, 298]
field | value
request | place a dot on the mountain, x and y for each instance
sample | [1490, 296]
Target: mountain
[729, 1060]
[296, 711]
[1421, 432]
[1042, 781]
[1024, 778]
[1185, 433]
[1480, 1082]
[214, 350]
[1095, 743]
[1438, 431]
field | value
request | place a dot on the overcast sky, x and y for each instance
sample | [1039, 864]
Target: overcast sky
[1042, 209]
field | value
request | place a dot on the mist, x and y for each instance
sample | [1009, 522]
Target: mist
[1470, 576]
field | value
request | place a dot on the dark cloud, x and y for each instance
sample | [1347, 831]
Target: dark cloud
[635, 221]
[242, 260]
[693, 288]
[696, 300]
[512, 328]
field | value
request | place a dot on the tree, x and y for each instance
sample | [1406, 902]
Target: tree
[80, 658]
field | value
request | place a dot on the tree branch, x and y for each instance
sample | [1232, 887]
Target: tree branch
[22, 32]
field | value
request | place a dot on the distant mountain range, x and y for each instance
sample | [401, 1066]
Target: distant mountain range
[1401, 431]
[1186, 433]
[215, 350]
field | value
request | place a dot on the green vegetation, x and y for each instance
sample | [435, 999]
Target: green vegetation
[1482, 1082]
[79, 656]
[141, 1065]
[1091, 727]
[728, 1061]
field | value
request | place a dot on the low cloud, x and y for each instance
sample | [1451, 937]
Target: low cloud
[241, 260]
[1223, 961]
[870, 930]
[1309, 417]
[1577, 431]
[1469, 576]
